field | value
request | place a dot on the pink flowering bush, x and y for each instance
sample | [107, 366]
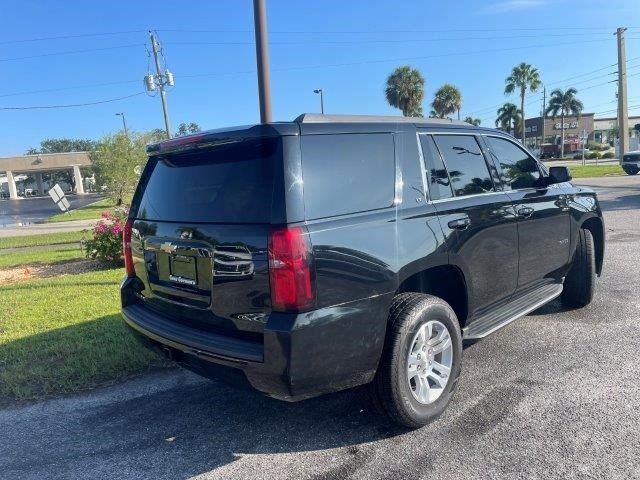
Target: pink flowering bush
[106, 244]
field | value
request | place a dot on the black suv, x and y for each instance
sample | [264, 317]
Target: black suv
[333, 251]
[631, 163]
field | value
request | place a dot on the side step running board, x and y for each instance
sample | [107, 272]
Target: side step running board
[527, 303]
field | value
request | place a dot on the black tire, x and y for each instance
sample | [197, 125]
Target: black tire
[631, 172]
[391, 389]
[580, 283]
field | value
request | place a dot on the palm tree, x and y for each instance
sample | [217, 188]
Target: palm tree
[473, 121]
[447, 100]
[523, 77]
[563, 103]
[405, 90]
[508, 117]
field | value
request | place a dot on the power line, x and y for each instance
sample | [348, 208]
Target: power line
[369, 41]
[71, 52]
[557, 82]
[74, 35]
[447, 30]
[40, 107]
[61, 89]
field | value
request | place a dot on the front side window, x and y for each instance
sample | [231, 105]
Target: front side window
[519, 169]
[466, 164]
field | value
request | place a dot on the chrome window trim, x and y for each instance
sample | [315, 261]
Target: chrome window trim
[460, 134]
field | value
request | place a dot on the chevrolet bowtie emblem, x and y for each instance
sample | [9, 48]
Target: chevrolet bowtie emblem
[168, 247]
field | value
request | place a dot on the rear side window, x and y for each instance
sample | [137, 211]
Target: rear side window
[231, 183]
[466, 164]
[439, 183]
[519, 169]
[347, 173]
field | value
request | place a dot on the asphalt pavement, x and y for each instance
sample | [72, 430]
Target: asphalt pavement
[26, 211]
[553, 395]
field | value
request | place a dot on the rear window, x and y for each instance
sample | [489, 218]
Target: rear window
[231, 183]
[347, 173]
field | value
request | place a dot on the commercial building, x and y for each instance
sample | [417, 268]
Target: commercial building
[551, 128]
[37, 165]
[596, 129]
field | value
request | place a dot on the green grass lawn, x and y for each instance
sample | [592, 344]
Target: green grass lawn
[40, 255]
[42, 239]
[64, 334]
[578, 171]
[88, 212]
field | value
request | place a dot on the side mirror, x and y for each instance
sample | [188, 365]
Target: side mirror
[559, 175]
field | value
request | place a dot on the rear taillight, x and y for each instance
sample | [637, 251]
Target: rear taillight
[126, 249]
[291, 270]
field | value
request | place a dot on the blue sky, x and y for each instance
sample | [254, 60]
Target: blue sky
[345, 47]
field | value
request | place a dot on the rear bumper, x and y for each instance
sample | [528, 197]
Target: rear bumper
[302, 355]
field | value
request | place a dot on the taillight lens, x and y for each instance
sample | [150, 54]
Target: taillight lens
[126, 249]
[291, 270]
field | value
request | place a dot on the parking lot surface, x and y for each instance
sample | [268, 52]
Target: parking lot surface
[553, 395]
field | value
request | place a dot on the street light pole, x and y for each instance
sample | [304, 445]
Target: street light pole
[124, 123]
[319, 90]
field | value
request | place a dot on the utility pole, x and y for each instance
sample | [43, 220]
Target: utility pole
[319, 90]
[124, 123]
[623, 119]
[262, 58]
[160, 80]
[544, 107]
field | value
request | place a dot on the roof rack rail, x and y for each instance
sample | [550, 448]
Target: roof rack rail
[318, 118]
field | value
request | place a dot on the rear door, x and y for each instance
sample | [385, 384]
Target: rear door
[200, 233]
[543, 213]
[476, 217]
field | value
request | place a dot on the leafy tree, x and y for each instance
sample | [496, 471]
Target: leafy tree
[187, 129]
[405, 90]
[447, 100]
[473, 121]
[523, 77]
[115, 160]
[563, 103]
[508, 117]
[157, 135]
[63, 145]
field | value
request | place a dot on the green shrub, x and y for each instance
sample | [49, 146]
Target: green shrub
[609, 154]
[106, 244]
[594, 155]
[598, 147]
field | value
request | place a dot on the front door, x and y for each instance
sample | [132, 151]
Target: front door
[542, 211]
[476, 216]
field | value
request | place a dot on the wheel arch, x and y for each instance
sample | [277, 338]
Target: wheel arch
[443, 281]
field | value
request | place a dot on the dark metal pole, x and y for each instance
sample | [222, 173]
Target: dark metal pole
[319, 90]
[262, 58]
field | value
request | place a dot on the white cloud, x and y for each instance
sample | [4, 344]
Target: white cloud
[512, 5]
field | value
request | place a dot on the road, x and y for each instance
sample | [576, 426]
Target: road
[553, 395]
[35, 209]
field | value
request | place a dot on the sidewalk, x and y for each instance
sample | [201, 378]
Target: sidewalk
[44, 228]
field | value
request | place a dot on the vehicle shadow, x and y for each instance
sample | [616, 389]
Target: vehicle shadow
[211, 424]
[188, 427]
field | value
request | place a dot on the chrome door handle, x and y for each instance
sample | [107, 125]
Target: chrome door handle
[460, 223]
[525, 212]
